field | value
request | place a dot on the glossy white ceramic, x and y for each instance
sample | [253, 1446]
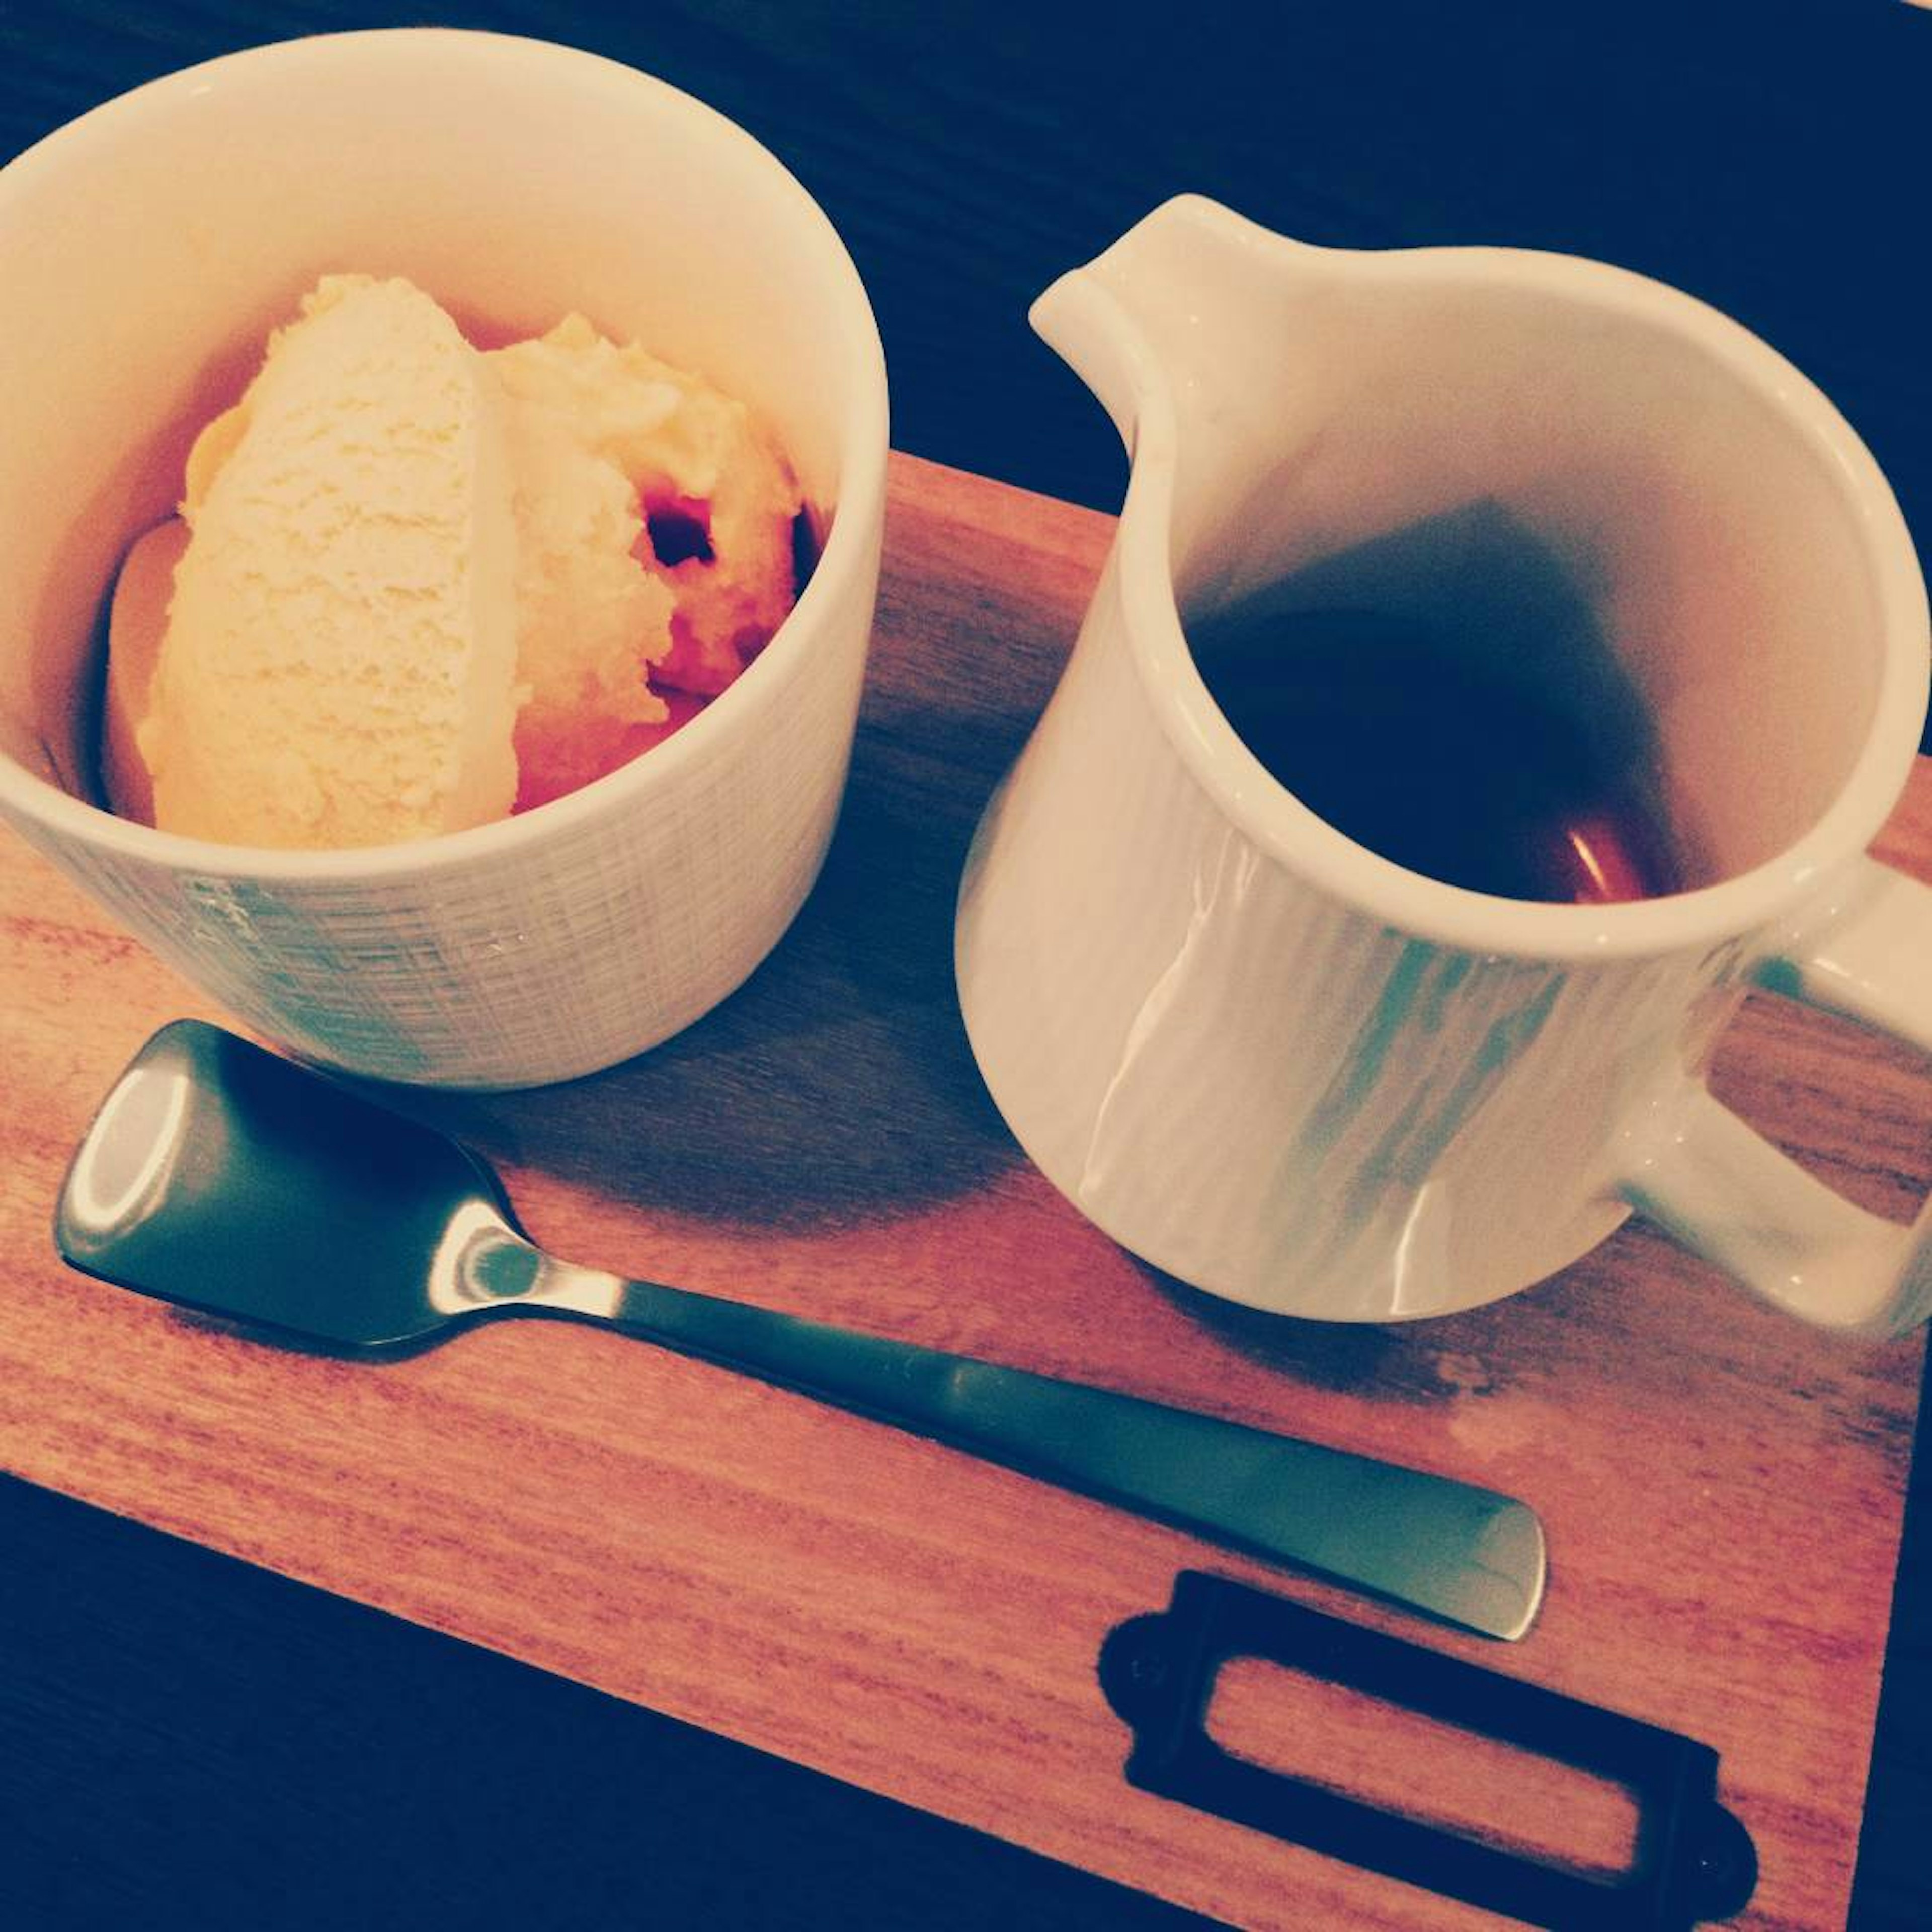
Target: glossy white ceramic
[146, 249]
[1290, 1072]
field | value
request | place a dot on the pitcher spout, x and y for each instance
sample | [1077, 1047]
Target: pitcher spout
[1183, 329]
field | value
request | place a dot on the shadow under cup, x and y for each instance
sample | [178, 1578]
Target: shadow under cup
[147, 249]
[1585, 509]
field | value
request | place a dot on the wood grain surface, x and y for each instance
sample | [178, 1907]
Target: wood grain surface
[1722, 1487]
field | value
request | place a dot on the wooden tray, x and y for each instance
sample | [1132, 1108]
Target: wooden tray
[1722, 1488]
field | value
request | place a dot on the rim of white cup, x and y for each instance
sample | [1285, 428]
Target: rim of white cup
[1303, 842]
[844, 557]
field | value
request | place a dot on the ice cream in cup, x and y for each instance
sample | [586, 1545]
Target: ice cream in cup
[481, 448]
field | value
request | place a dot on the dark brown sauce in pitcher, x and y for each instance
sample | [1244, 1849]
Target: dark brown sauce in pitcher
[1407, 736]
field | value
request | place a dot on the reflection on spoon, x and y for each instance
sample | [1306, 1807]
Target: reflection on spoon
[137, 619]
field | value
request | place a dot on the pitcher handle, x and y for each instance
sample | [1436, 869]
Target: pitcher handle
[1869, 957]
[1731, 1197]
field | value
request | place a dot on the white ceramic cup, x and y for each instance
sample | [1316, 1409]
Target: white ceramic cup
[146, 250]
[1291, 1072]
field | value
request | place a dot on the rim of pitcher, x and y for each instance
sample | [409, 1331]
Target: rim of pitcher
[1788, 884]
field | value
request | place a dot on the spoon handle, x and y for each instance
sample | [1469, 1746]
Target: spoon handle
[1466, 1555]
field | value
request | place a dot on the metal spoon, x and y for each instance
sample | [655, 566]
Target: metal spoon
[223, 1178]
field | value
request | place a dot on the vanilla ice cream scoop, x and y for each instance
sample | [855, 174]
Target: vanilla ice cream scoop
[338, 668]
[711, 499]
[655, 515]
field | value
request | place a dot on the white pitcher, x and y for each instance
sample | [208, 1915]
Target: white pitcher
[1289, 1071]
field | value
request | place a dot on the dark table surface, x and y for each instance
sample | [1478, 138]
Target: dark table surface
[183, 1739]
